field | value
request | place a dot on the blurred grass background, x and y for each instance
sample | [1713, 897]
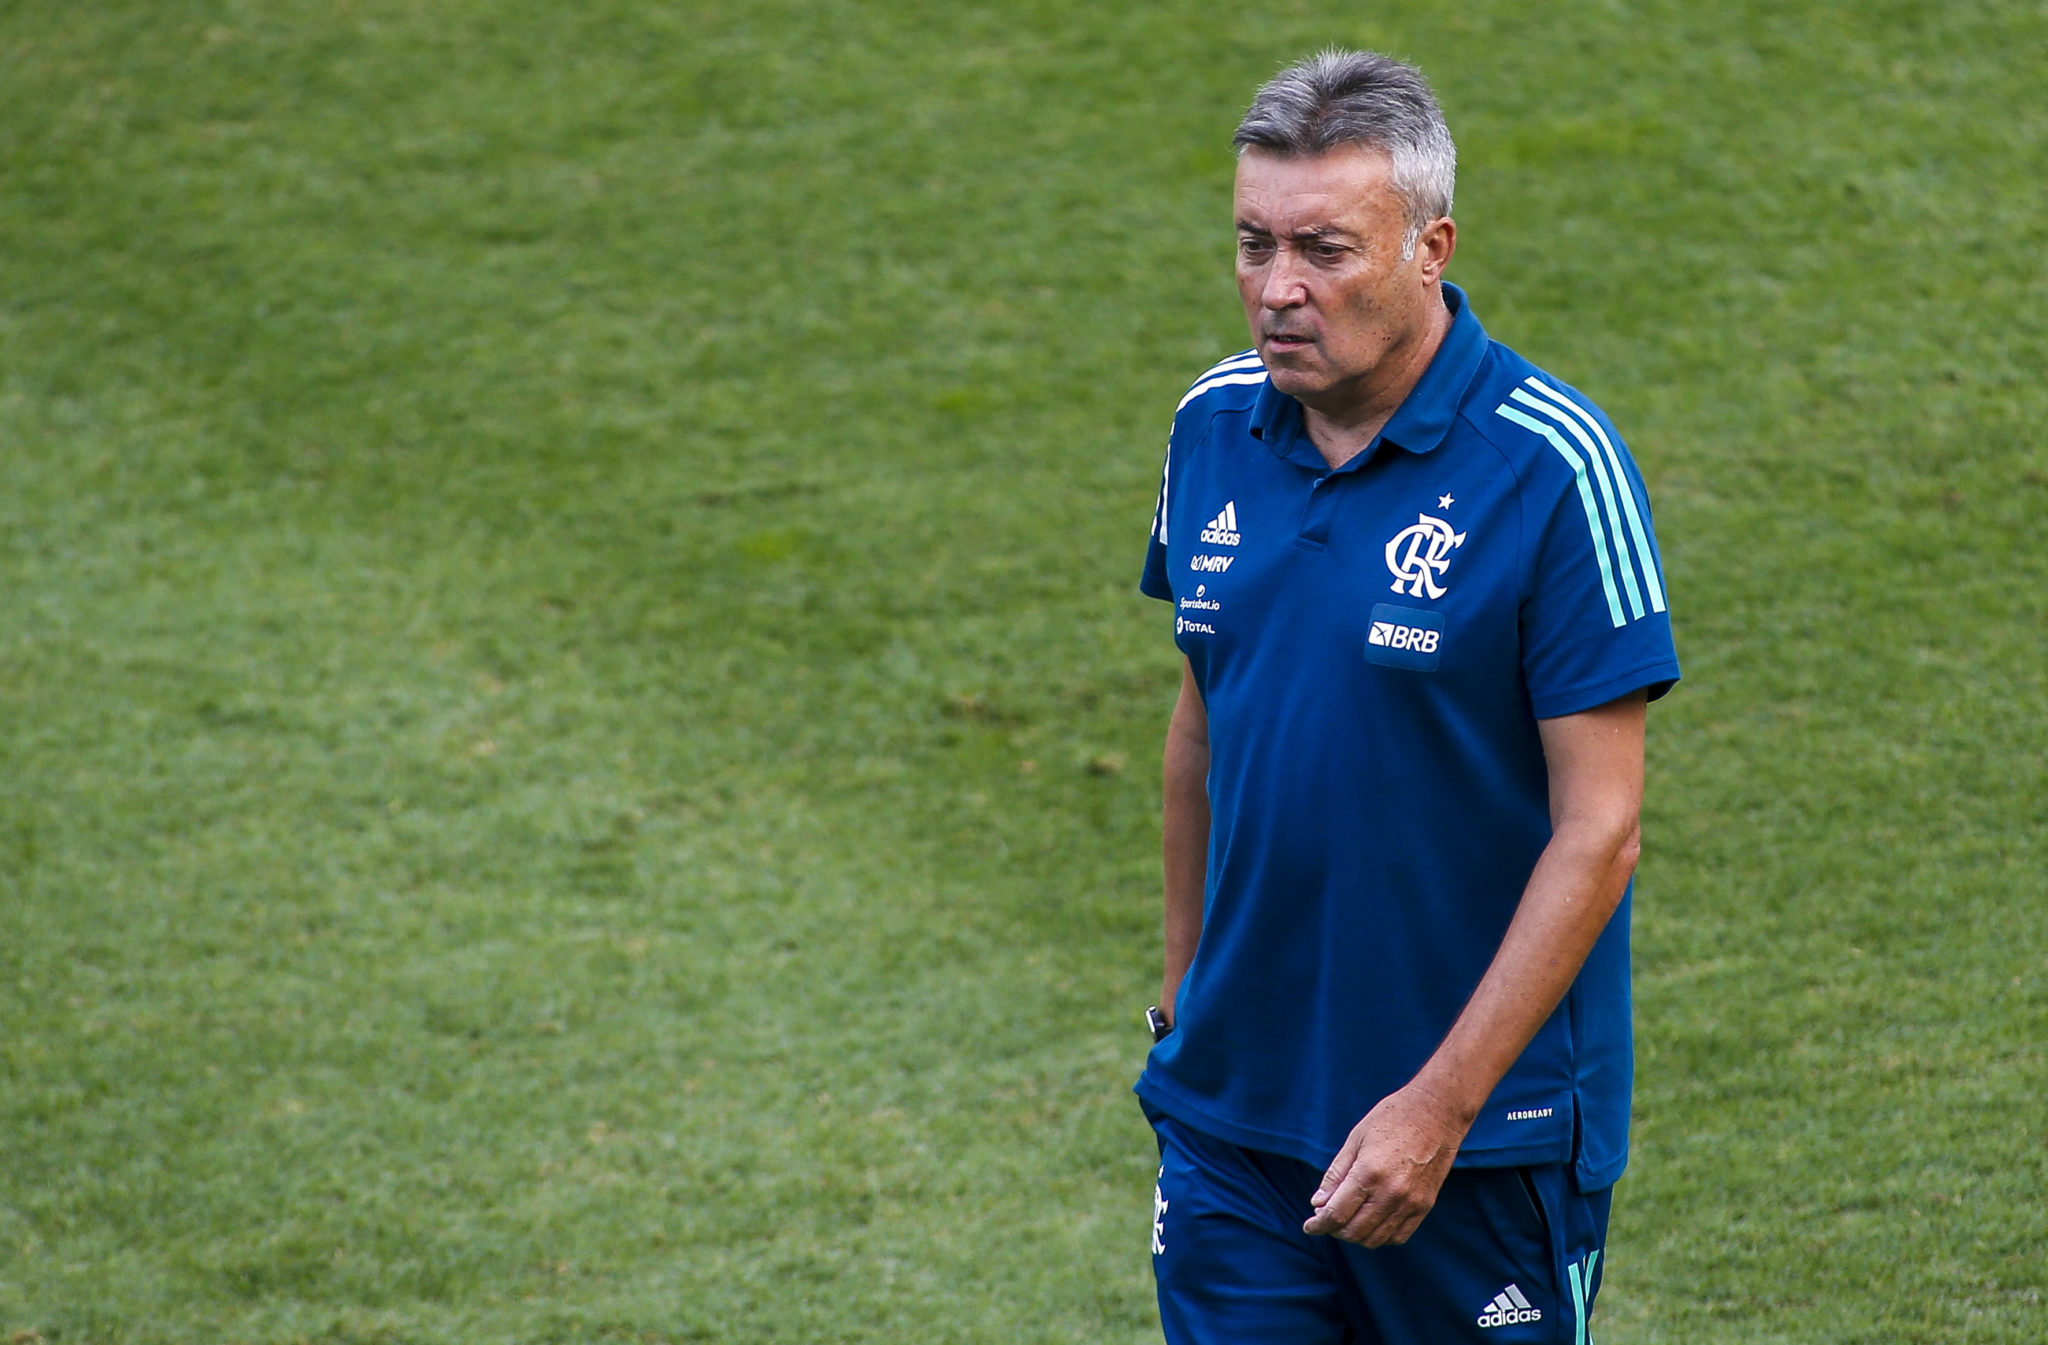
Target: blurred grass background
[576, 739]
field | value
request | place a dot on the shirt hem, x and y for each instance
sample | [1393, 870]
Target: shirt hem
[1192, 1114]
[1659, 677]
[1601, 1177]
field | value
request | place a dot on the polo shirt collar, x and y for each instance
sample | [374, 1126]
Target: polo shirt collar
[1423, 418]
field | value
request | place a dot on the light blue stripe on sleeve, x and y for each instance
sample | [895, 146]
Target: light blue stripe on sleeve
[1628, 571]
[1578, 466]
[1651, 578]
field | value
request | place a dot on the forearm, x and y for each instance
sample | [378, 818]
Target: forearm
[1185, 844]
[1573, 892]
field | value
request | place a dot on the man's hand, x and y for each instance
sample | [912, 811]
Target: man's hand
[1387, 1175]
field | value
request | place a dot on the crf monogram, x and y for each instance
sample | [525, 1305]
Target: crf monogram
[1419, 553]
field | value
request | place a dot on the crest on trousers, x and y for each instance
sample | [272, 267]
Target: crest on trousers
[1418, 555]
[1159, 1204]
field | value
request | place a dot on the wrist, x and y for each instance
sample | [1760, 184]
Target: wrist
[1458, 1100]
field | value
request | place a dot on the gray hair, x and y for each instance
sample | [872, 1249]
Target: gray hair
[1339, 97]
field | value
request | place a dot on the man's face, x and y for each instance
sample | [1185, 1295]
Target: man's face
[1319, 268]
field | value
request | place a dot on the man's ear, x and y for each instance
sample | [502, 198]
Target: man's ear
[1434, 246]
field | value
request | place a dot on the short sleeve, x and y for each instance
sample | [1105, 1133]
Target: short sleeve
[1153, 582]
[1595, 620]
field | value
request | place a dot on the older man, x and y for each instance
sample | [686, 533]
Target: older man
[1422, 612]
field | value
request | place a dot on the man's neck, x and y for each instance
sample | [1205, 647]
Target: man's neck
[1343, 426]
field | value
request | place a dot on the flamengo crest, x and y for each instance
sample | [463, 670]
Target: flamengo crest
[1419, 553]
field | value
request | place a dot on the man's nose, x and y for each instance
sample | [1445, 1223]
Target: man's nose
[1285, 286]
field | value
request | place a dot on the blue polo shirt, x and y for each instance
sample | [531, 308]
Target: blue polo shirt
[1374, 646]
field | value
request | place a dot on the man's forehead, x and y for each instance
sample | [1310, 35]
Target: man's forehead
[1304, 191]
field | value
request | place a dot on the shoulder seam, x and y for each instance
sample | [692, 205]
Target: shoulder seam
[1524, 562]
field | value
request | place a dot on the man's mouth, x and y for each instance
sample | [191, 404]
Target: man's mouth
[1284, 341]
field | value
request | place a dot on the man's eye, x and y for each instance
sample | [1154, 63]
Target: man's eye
[1255, 247]
[1327, 252]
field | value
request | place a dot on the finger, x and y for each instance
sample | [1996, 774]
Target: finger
[1402, 1219]
[1390, 1216]
[1361, 1201]
[1370, 1226]
[1339, 1169]
[1392, 1232]
[1343, 1201]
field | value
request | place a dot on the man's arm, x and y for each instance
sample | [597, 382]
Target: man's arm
[1186, 844]
[1387, 1176]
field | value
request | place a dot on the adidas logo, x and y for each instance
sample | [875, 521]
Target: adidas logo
[1509, 1308]
[1222, 529]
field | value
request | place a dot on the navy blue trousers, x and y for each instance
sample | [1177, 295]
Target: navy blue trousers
[1509, 1256]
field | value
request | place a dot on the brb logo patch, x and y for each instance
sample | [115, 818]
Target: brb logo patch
[1421, 552]
[1404, 637]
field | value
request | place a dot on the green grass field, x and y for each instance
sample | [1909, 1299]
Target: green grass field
[577, 744]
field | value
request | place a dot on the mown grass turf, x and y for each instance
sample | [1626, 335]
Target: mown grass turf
[578, 744]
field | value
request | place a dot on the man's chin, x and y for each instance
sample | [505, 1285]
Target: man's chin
[1297, 382]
